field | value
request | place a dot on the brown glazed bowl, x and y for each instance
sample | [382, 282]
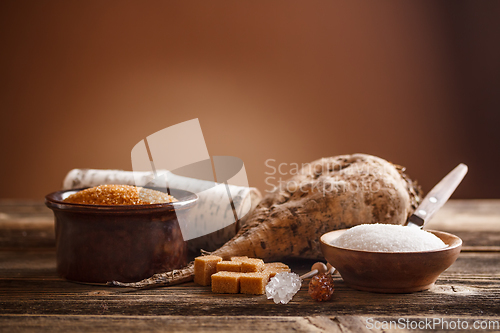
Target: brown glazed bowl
[390, 272]
[101, 243]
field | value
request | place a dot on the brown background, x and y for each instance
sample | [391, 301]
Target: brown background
[414, 82]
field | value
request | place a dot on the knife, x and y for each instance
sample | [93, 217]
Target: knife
[437, 197]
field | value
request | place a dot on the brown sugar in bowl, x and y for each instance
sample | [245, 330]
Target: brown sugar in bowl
[101, 243]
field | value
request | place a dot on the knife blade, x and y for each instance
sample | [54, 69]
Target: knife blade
[437, 197]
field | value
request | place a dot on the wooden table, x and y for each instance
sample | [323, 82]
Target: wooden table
[33, 298]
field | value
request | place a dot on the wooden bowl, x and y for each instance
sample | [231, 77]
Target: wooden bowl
[390, 272]
[127, 243]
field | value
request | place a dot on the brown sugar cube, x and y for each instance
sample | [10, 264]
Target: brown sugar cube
[274, 268]
[229, 266]
[226, 282]
[275, 265]
[253, 283]
[273, 271]
[252, 265]
[204, 267]
[239, 258]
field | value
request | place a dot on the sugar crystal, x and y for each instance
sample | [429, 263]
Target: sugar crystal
[282, 287]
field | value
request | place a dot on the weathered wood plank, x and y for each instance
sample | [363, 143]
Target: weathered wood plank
[157, 324]
[481, 302]
[344, 324]
[28, 264]
[26, 224]
[325, 324]
[467, 215]
[29, 285]
[24, 207]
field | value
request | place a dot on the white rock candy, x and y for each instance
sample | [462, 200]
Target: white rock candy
[388, 238]
[282, 287]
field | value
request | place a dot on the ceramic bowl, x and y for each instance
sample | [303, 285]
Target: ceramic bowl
[101, 243]
[390, 272]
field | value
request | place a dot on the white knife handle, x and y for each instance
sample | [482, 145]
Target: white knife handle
[440, 193]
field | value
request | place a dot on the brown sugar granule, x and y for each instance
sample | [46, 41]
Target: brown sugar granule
[119, 195]
[204, 267]
[226, 282]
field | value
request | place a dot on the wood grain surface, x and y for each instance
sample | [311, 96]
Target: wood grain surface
[34, 298]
